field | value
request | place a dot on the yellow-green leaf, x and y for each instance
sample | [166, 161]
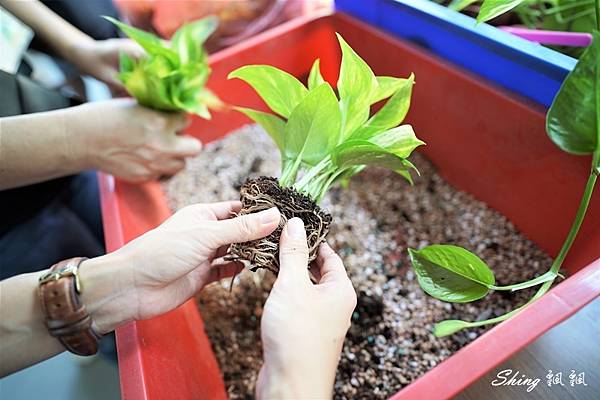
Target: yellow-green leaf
[281, 91]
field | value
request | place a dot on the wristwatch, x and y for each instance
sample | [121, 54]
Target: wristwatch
[65, 316]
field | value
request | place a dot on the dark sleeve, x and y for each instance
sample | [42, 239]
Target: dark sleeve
[86, 16]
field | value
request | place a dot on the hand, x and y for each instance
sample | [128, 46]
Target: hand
[303, 325]
[131, 142]
[100, 59]
[163, 268]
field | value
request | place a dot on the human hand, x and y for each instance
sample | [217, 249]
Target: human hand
[100, 59]
[166, 266]
[129, 141]
[303, 325]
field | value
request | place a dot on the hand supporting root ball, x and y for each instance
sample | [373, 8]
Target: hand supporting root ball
[304, 324]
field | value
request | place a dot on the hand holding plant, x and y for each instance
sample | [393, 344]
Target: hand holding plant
[172, 76]
[322, 139]
[135, 144]
[293, 354]
[100, 59]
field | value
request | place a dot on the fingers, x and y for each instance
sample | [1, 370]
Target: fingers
[177, 121]
[331, 265]
[131, 48]
[223, 209]
[293, 252]
[185, 146]
[169, 166]
[198, 213]
[246, 227]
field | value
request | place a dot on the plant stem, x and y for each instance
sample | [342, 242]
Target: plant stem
[583, 206]
[598, 14]
[549, 275]
[288, 175]
[554, 10]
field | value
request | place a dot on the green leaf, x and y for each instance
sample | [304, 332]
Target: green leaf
[315, 78]
[194, 107]
[126, 63]
[492, 8]
[449, 327]
[386, 86]
[391, 114]
[451, 273]
[314, 126]
[400, 141]
[210, 99]
[355, 86]
[573, 119]
[149, 42]
[281, 91]
[363, 152]
[274, 125]
[458, 5]
[188, 39]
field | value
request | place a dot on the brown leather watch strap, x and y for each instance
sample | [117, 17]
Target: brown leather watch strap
[65, 316]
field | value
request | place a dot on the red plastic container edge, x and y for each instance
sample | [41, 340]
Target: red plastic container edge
[148, 373]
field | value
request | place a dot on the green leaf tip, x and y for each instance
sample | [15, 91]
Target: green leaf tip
[449, 327]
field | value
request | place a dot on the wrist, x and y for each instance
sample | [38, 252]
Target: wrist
[75, 49]
[294, 381]
[80, 123]
[104, 291]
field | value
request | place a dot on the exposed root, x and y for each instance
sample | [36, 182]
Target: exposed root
[263, 193]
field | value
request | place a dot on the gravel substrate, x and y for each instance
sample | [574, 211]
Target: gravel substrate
[390, 343]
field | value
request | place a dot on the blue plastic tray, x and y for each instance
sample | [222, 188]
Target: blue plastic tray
[524, 67]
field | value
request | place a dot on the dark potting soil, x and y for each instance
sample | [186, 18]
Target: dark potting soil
[390, 343]
[262, 193]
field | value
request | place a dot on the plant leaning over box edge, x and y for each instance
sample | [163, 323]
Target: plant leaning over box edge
[491, 9]
[172, 75]
[322, 140]
[555, 15]
[453, 274]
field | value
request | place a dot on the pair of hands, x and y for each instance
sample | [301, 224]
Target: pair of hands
[303, 325]
[118, 136]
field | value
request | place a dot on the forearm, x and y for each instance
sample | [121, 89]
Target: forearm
[41, 146]
[58, 33]
[24, 339]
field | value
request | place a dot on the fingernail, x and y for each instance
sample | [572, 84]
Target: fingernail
[267, 217]
[295, 228]
[195, 144]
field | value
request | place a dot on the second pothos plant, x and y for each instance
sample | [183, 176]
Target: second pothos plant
[451, 273]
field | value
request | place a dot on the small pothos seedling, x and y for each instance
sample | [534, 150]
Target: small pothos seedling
[453, 274]
[323, 139]
[171, 76]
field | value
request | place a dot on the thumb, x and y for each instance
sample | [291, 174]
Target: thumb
[247, 227]
[293, 252]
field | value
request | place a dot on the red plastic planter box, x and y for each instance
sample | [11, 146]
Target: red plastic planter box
[483, 139]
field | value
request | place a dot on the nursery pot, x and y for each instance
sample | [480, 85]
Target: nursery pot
[483, 139]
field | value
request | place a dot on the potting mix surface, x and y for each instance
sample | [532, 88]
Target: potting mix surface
[375, 220]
